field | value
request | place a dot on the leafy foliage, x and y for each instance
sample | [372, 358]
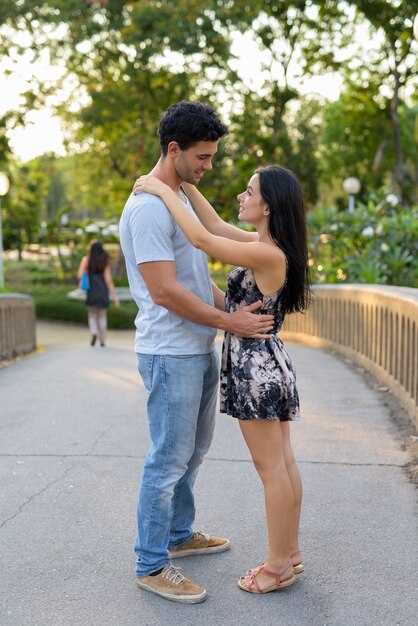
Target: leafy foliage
[377, 243]
[355, 140]
[123, 62]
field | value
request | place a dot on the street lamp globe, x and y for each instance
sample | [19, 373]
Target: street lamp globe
[4, 184]
[351, 185]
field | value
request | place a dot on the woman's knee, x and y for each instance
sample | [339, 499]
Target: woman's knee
[271, 470]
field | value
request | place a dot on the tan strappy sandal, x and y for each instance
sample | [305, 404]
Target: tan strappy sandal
[297, 568]
[249, 583]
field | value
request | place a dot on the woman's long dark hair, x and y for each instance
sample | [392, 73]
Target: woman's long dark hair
[98, 258]
[281, 191]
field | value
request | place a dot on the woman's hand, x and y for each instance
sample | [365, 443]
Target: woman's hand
[150, 184]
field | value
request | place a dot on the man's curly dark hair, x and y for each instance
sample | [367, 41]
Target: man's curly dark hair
[187, 123]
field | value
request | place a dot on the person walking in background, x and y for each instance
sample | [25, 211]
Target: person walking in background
[179, 311]
[96, 265]
[258, 380]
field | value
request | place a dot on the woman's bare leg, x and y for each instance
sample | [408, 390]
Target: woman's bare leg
[92, 319]
[265, 441]
[296, 482]
[102, 325]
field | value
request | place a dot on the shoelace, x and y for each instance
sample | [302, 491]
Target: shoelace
[173, 575]
[201, 534]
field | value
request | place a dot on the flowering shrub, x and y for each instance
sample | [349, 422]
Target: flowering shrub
[377, 243]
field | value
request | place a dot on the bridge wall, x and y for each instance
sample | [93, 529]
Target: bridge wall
[373, 325]
[17, 325]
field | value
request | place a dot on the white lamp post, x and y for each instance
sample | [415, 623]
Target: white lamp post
[351, 186]
[4, 188]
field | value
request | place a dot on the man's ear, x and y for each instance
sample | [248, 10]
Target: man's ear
[173, 148]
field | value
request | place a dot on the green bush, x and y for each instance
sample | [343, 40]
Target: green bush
[41, 280]
[377, 243]
[30, 272]
[53, 303]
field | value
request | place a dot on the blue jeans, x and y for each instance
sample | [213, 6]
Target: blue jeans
[181, 407]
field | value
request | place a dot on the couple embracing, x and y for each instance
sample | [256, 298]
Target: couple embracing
[167, 228]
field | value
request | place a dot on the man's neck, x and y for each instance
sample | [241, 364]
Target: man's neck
[168, 175]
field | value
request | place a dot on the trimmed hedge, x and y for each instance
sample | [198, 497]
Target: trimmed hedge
[53, 303]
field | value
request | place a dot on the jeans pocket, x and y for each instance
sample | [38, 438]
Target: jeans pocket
[145, 364]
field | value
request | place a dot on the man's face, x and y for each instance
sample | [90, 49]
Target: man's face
[192, 163]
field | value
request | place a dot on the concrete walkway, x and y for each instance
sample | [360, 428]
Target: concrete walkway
[73, 434]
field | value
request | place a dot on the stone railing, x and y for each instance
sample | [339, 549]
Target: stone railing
[17, 325]
[373, 325]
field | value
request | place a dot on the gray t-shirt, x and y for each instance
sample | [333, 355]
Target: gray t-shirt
[148, 232]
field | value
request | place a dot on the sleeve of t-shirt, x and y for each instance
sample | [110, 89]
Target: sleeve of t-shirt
[152, 228]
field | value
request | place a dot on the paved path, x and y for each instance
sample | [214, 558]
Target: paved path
[73, 436]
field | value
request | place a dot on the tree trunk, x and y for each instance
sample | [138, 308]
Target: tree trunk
[379, 155]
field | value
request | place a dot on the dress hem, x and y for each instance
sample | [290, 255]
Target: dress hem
[297, 418]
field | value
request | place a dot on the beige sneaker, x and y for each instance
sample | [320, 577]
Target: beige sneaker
[200, 543]
[172, 585]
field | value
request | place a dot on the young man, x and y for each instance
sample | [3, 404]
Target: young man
[179, 312]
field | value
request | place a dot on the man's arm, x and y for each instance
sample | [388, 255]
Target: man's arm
[160, 279]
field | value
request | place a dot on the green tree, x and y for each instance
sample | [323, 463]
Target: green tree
[355, 140]
[23, 205]
[129, 66]
[129, 59]
[389, 69]
[5, 150]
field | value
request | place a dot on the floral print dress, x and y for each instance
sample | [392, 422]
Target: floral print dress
[258, 379]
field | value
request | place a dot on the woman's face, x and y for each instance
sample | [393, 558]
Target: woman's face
[252, 207]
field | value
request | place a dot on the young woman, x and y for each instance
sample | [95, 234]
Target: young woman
[96, 264]
[257, 377]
